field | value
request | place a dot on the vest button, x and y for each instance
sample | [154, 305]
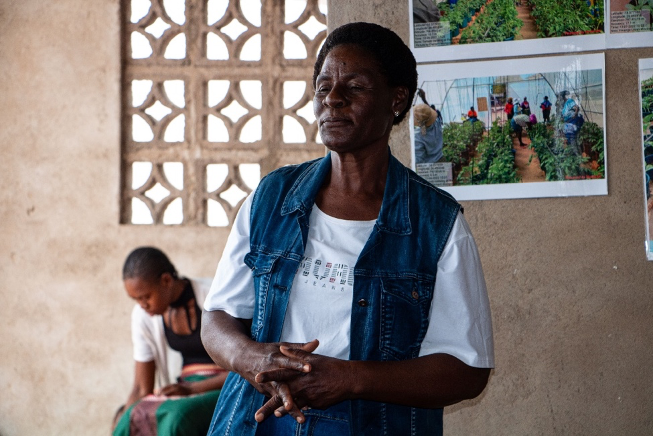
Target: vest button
[363, 303]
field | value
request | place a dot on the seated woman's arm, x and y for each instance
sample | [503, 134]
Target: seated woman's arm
[195, 387]
[143, 381]
[143, 385]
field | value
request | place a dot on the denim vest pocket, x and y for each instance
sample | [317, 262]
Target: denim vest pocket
[404, 316]
[262, 266]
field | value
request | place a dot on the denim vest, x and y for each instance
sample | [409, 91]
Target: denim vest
[394, 281]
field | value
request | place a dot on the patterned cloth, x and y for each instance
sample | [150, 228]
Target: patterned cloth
[170, 415]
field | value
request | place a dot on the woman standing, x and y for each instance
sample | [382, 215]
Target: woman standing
[524, 106]
[427, 134]
[167, 319]
[349, 299]
[508, 109]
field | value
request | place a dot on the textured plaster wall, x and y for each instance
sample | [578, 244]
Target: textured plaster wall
[569, 283]
[65, 353]
[570, 289]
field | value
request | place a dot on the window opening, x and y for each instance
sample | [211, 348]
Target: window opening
[216, 93]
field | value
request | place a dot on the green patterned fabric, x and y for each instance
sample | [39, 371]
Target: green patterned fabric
[156, 415]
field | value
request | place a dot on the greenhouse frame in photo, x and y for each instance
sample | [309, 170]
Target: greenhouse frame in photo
[484, 159]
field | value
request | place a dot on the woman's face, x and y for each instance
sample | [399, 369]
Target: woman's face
[152, 296]
[353, 103]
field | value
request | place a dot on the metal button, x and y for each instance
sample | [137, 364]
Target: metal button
[363, 303]
[415, 295]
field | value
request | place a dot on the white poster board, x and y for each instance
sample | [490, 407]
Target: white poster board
[645, 85]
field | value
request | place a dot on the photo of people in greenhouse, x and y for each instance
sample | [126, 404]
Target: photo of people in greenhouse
[527, 128]
[645, 79]
[466, 29]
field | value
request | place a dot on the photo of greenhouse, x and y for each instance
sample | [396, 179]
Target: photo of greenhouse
[645, 80]
[513, 128]
[453, 22]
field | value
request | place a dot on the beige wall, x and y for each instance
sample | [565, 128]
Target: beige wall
[569, 284]
[570, 288]
[65, 348]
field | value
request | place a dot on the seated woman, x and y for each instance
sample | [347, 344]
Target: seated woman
[472, 115]
[166, 319]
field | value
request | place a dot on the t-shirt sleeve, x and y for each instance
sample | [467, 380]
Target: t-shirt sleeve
[142, 350]
[460, 319]
[232, 289]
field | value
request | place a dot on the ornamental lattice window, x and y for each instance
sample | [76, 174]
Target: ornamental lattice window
[215, 94]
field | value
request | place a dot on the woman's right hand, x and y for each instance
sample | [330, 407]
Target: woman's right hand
[228, 342]
[266, 357]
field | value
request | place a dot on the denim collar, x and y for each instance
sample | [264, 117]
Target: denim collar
[394, 214]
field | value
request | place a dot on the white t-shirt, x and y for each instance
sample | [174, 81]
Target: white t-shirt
[460, 320]
[324, 284]
[149, 339]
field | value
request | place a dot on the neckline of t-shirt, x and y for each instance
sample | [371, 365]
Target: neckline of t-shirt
[342, 222]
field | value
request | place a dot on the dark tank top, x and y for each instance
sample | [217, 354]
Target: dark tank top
[190, 346]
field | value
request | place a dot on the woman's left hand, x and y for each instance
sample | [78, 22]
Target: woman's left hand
[180, 389]
[325, 385]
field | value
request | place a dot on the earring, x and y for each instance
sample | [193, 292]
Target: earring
[396, 113]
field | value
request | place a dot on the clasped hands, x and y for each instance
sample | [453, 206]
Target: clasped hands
[297, 379]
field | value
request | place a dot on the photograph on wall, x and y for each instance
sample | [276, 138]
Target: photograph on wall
[512, 129]
[629, 23]
[645, 80]
[467, 29]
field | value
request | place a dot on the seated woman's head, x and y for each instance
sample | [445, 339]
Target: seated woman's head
[367, 65]
[149, 278]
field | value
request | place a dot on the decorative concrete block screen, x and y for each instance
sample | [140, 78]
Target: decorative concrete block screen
[216, 93]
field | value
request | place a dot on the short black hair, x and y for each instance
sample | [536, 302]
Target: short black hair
[147, 263]
[395, 59]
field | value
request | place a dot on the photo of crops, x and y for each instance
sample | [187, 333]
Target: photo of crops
[483, 21]
[518, 128]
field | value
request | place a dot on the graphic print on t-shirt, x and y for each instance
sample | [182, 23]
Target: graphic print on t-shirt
[331, 276]
[320, 301]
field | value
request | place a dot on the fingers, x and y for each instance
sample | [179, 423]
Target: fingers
[300, 354]
[167, 390]
[281, 401]
[276, 375]
[264, 412]
[268, 408]
[291, 361]
[302, 351]
[310, 346]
